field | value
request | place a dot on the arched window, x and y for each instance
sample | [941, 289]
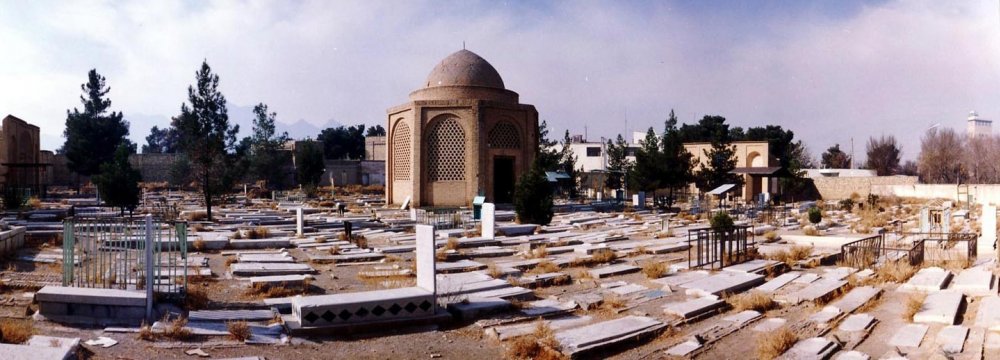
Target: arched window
[446, 151]
[504, 135]
[401, 151]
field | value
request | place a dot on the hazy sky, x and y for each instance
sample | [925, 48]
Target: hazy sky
[828, 71]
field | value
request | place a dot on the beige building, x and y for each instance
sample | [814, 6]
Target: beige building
[375, 148]
[753, 160]
[20, 154]
[463, 134]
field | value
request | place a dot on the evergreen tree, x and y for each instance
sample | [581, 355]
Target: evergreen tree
[567, 164]
[834, 158]
[720, 158]
[343, 142]
[207, 138]
[93, 135]
[309, 163]
[618, 162]
[549, 157]
[677, 163]
[646, 174]
[533, 197]
[376, 130]
[266, 160]
[160, 141]
[118, 182]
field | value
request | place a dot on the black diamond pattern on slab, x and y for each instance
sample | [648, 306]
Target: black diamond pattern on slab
[410, 307]
[344, 315]
[329, 316]
[311, 317]
[362, 312]
[378, 310]
[395, 309]
[425, 305]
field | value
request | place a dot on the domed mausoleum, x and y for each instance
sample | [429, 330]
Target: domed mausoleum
[463, 134]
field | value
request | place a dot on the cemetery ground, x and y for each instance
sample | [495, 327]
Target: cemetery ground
[595, 283]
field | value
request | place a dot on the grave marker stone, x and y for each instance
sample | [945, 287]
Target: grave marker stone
[425, 258]
[988, 219]
[925, 220]
[489, 220]
[298, 222]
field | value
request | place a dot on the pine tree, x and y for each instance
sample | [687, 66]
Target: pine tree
[207, 138]
[721, 158]
[266, 160]
[548, 157]
[533, 197]
[309, 164]
[118, 182]
[646, 174]
[677, 162]
[93, 135]
[618, 162]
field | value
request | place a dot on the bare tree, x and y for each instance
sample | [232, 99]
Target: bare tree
[941, 157]
[883, 155]
[982, 159]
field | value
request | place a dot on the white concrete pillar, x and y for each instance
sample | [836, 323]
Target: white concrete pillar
[988, 223]
[426, 278]
[298, 222]
[489, 220]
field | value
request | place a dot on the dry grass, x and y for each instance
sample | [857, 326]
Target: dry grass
[613, 302]
[538, 253]
[199, 227]
[320, 239]
[810, 230]
[263, 291]
[196, 297]
[544, 267]
[540, 345]
[771, 236]
[238, 235]
[16, 331]
[895, 271]
[601, 256]
[654, 269]
[176, 329]
[452, 244]
[198, 245]
[583, 275]
[238, 330]
[913, 305]
[772, 344]
[792, 255]
[752, 300]
[259, 232]
[196, 216]
[146, 332]
[494, 271]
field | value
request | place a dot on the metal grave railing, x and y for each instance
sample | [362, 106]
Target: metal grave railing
[112, 253]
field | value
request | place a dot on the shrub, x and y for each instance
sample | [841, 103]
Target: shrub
[846, 204]
[772, 344]
[544, 267]
[539, 345]
[16, 331]
[146, 332]
[810, 230]
[752, 300]
[721, 222]
[533, 197]
[771, 235]
[654, 269]
[238, 330]
[176, 329]
[815, 215]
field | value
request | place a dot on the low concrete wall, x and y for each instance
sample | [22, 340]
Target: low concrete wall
[832, 188]
[12, 240]
[981, 193]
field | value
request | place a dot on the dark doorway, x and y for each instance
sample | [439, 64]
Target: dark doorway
[503, 180]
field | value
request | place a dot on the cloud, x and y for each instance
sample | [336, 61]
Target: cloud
[827, 72]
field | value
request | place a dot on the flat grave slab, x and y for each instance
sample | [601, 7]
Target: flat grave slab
[230, 315]
[265, 258]
[365, 306]
[511, 331]
[806, 278]
[693, 308]
[975, 281]
[680, 278]
[927, 280]
[940, 308]
[813, 291]
[94, 296]
[811, 348]
[909, 335]
[517, 230]
[778, 282]
[578, 340]
[857, 323]
[856, 298]
[988, 315]
[758, 266]
[729, 282]
[274, 243]
[459, 266]
[743, 317]
[684, 348]
[614, 270]
[267, 269]
[28, 352]
[852, 355]
[952, 338]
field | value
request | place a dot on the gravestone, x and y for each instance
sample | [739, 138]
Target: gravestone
[925, 220]
[489, 220]
[413, 214]
[988, 219]
[406, 204]
[425, 258]
[298, 222]
[639, 200]
[946, 221]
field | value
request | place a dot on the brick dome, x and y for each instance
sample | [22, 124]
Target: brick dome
[464, 68]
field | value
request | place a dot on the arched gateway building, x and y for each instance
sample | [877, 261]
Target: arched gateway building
[461, 135]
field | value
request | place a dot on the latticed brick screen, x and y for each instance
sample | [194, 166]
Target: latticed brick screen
[401, 152]
[446, 151]
[504, 135]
